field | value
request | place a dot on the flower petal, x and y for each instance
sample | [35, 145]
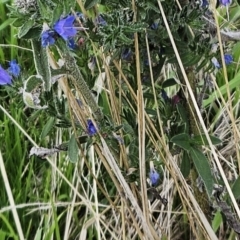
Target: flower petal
[5, 78]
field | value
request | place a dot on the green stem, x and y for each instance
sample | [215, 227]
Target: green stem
[201, 197]
[73, 71]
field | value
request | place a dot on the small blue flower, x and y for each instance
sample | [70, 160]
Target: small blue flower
[79, 102]
[126, 54]
[154, 176]
[91, 128]
[204, 3]
[5, 78]
[164, 95]
[101, 21]
[47, 38]
[65, 27]
[228, 59]
[14, 68]
[154, 26]
[71, 43]
[146, 62]
[81, 16]
[225, 2]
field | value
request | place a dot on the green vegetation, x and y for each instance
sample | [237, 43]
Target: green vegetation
[123, 122]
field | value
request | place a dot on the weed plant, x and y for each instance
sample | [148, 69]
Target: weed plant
[119, 119]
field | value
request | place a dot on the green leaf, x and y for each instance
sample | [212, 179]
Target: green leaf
[42, 8]
[169, 82]
[7, 23]
[90, 3]
[202, 140]
[182, 112]
[236, 188]
[190, 60]
[217, 220]
[117, 128]
[25, 28]
[234, 83]
[182, 140]
[203, 168]
[33, 33]
[57, 12]
[151, 111]
[185, 165]
[47, 128]
[73, 149]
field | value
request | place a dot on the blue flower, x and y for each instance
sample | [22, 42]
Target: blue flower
[228, 58]
[126, 54]
[81, 16]
[154, 176]
[164, 95]
[65, 27]
[154, 26]
[5, 78]
[47, 38]
[101, 21]
[91, 128]
[204, 3]
[71, 43]
[225, 2]
[14, 68]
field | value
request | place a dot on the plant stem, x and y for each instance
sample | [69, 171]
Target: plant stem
[76, 76]
[194, 129]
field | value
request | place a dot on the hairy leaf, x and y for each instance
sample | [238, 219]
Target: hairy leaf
[73, 149]
[47, 127]
[202, 140]
[203, 168]
[182, 140]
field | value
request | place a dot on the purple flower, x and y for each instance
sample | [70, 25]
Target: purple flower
[91, 128]
[65, 27]
[154, 176]
[225, 2]
[228, 58]
[176, 99]
[5, 78]
[47, 38]
[14, 68]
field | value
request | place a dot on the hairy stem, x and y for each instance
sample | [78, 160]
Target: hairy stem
[73, 71]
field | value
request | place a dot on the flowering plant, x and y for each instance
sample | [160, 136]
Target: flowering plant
[122, 97]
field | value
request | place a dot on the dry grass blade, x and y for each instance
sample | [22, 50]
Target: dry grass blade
[149, 231]
[198, 112]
